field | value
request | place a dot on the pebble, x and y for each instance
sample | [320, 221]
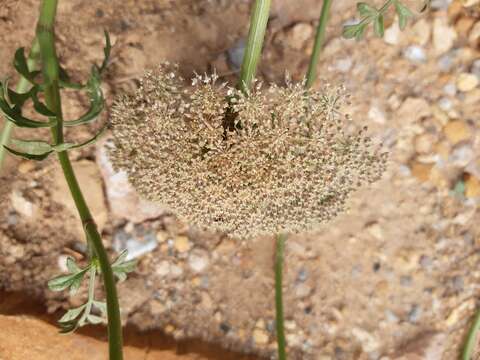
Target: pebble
[446, 62]
[302, 290]
[472, 186]
[450, 89]
[415, 53]
[163, 268]
[235, 54]
[344, 65]
[413, 109]
[260, 337]
[298, 35]
[440, 4]
[182, 244]
[422, 31]
[467, 82]
[198, 261]
[415, 313]
[444, 36]
[469, 3]
[376, 114]
[368, 342]
[392, 34]
[22, 205]
[456, 131]
[424, 143]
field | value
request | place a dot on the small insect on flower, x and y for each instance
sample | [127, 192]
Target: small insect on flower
[285, 161]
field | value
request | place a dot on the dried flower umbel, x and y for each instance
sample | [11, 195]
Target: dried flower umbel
[285, 163]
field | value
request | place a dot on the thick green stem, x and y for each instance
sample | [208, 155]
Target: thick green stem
[469, 348]
[279, 316]
[50, 68]
[22, 87]
[253, 49]
[319, 39]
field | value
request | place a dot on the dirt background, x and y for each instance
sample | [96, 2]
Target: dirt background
[396, 277]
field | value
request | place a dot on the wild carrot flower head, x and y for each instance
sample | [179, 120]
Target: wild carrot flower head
[280, 160]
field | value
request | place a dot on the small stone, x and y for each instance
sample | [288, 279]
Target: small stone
[302, 290]
[457, 131]
[415, 313]
[440, 4]
[391, 317]
[446, 62]
[344, 65]
[457, 313]
[425, 261]
[163, 268]
[235, 55]
[474, 36]
[375, 230]
[424, 143]
[392, 34]
[22, 205]
[169, 329]
[376, 114]
[260, 337]
[470, 3]
[466, 82]
[444, 36]
[182, 244]
[198, 261]
[422, 31]
[176, 271]
[414, 109]
[161, 236]
[415, 54]
[421, 171]
[26, 166]
[450, 89]
[472, 186]
[368, 342]
[298, 35]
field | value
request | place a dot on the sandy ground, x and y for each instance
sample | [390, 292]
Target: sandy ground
[396, 277]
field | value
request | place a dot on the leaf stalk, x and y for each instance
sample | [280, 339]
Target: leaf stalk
[50, 68]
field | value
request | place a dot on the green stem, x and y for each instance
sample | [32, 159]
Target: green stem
[280, 248]
[50, 67]
[253, 49]
[319, 39]
[471, 338]
[22, 87]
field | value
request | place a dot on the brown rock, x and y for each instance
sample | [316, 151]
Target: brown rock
[472, 186]
[421, 171]
[457, 131]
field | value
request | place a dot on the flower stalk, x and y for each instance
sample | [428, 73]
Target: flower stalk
[253, 49]
[318, 45]
[279, 316]
[50, 69]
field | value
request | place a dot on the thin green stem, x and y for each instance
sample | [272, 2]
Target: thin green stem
[319, 39]
[469, 347]
[22, 87]
[253, 49]
[279, 317]
[50, 68]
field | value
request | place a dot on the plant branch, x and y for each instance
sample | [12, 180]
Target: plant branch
[319, 39]
[253, 49]
[50, 68]
[22, 87]
[469, 347]
[279, 316]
